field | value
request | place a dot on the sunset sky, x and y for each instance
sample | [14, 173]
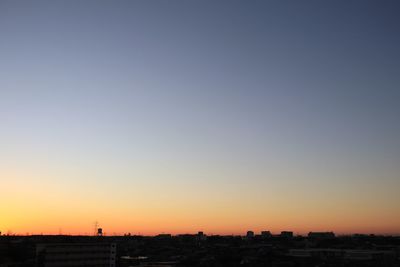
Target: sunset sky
[180, 116]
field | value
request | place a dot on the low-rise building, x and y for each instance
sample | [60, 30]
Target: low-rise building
[287, 234]
[321, 235]
[76, 254]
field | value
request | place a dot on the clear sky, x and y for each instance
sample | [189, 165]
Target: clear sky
[179, 116]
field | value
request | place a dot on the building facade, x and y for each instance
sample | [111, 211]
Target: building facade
[76, 254]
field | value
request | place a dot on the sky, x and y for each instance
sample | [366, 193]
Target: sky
[183, 116]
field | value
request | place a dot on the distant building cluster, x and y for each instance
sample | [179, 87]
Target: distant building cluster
[251, 249]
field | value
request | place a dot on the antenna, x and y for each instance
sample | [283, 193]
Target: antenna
[96, 226]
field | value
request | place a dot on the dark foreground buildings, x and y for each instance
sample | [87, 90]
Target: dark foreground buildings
[264, 249]
[94, 254]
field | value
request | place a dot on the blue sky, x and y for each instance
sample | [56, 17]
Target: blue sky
[227, 97]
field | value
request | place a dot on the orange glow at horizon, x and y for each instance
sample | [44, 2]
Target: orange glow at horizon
[44, 205]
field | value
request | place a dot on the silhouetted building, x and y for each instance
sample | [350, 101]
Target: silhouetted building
[266, 234]
[164, 236]
[76, 254]
[287, 234]
[250, 234]
[321, 235]
[201, 236]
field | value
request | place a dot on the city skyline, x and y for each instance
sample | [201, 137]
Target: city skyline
[181, 116]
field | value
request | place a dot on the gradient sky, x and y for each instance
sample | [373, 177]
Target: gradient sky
[179, 116]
